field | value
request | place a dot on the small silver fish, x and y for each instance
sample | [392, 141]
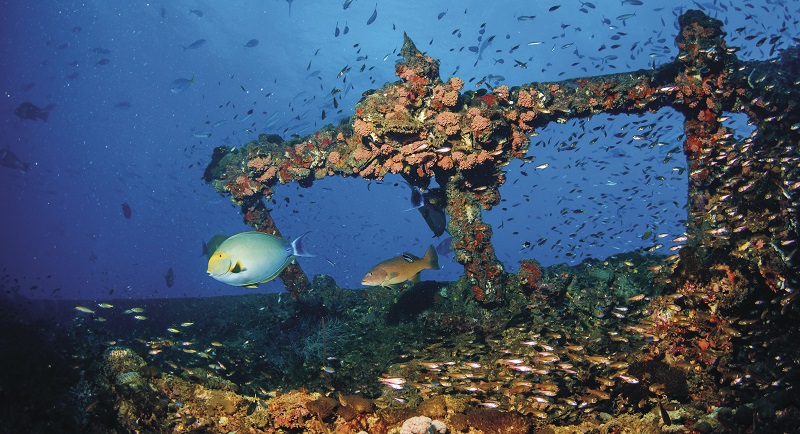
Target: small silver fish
[181, 84]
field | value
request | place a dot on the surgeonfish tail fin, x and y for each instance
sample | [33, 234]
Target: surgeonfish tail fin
[298, 249]
[431, 258]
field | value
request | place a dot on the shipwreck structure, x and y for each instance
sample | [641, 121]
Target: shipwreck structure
[743, 195]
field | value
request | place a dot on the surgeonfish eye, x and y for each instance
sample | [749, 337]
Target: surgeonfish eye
[219, 264]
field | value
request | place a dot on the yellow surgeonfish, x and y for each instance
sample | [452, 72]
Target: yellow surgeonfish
[250, 258]
[401, 268]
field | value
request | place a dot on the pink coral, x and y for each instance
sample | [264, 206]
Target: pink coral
[438, 92]
[386, 149]
[450, 98]
[259, 163]
[446, 162]
[270, 173]
[527, 116]
[423, 425]
[456, 83]
[362, 154]
[518, 139]
[501, 93]
[524, 99]
[363, 128]
[334, 157]
[480, 123]
[447, 122]
[396, 166]
[446, 118]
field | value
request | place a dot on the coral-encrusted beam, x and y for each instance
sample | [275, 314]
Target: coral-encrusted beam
[422, 127]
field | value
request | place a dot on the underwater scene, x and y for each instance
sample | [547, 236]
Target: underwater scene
[400, 217]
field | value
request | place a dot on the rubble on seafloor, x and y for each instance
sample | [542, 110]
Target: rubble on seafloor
[700, 341]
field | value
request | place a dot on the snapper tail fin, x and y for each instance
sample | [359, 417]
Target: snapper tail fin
[298, 249]
[431, 258]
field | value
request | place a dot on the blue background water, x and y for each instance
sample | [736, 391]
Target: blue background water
[63, 234]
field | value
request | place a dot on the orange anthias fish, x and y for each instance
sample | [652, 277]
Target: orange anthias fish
[401, 268]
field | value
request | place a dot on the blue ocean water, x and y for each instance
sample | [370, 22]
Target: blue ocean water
[119, 131]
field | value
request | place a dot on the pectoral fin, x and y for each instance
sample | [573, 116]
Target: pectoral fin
[238, 267]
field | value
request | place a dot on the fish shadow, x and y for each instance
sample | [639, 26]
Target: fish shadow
[413, 302]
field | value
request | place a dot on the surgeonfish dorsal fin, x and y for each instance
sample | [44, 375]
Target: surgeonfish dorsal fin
[212, 245]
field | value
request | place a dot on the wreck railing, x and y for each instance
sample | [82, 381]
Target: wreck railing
[742, 195]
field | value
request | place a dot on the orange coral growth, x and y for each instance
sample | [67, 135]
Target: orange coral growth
[524, 99]
[529, 273]
[447, 122]
[445, 162]
[693, 144]
[456, 83]
[268, 175]
[334, 157]
[362, 154]
[363, 128]
[480, 123]
[527, 116]
[501, 93]
[259, 163]
[386, 149]
[450, 98]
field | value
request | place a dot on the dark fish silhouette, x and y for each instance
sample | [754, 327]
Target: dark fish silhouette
[374, 15]
[127, 211]
[432, 213]
[194, 45]
[251, 43]
[169, 277]
[103, 61]
[31, 112]
[429, 206]
[443, 248]
[10, 160]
